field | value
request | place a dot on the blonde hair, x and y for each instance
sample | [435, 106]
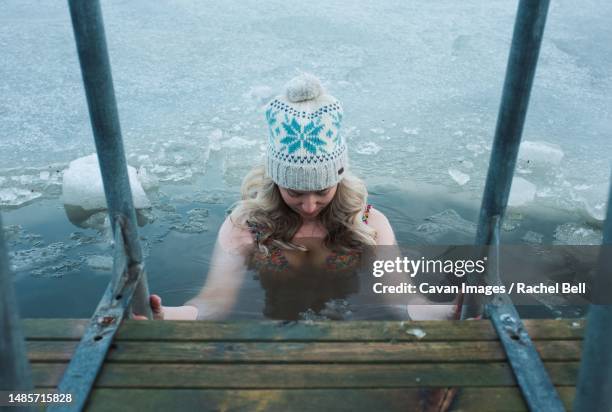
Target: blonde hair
[263, 208]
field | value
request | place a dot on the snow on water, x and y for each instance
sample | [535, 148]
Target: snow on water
[82, 185]
[190, 95]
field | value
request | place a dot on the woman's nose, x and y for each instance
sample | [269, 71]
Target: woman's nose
[309, 205]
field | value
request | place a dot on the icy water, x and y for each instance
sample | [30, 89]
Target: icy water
[420, 84]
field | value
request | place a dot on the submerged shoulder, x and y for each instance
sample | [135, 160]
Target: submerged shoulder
[379, 222]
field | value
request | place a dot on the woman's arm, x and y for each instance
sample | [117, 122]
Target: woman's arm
[419, 308]
[225, 276]
[384, 232]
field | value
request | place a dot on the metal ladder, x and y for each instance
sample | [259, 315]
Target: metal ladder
[128, 287]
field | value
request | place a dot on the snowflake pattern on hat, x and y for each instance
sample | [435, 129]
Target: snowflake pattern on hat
[305, 148]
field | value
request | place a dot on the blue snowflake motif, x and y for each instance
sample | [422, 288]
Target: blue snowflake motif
[306, 137]
[336, 121]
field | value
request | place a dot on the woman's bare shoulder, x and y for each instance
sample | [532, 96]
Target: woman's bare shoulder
[233, 237]
[379, 222]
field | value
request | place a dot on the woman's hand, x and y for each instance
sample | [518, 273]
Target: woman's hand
[156, 308]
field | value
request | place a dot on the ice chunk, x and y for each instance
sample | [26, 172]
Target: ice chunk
[445, 223]
[458, 176]
[532, 237]
[236, 142]
[467, 164]
[521, 192]
[260, 94]
[17, 197]
[475, 148]
[596, 211]
[574, 234]
[196, 222]
[413, 132]
[147, 180]
[377, 130]
[82, 185]
[214, 139]
[29, 259]
[540, 153]
[592, 198]
[98, 262]
[368, 148]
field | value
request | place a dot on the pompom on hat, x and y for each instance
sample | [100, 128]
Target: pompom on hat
[306, 151]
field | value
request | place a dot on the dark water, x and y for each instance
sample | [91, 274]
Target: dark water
[61, 280]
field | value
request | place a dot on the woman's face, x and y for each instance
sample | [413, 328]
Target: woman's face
[308, 204]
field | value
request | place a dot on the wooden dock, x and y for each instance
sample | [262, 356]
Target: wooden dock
[305, 366]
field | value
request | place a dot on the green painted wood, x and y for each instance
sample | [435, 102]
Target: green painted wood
[310, 400]
[357, 331]
[244, 376]
[302, 352]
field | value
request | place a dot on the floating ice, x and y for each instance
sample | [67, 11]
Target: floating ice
[413, 132]
[261, 94]
[196, 222]
[377, 130]
[17, 197]
[368, 149]
[596, 211]
[28, 259]
[214, 140]
[574, 234]
[532, 237]
[592, 198]
[538, 153]
[236, 142]
[468, 164]
[521, 192]
[443, 223]
[458, 176]
[475, 148]
[147, 180]
[98, 262]
[82, 185]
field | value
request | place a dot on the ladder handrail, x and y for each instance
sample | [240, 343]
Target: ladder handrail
[594, 388]
[520, 71]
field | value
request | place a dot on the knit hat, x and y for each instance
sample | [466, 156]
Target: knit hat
[305, 149]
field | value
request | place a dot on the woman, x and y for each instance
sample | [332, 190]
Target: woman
[302, 213]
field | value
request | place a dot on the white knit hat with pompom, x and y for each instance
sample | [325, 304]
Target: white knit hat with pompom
[305, 149]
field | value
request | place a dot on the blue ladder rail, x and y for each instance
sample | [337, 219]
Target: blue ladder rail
[128, 287]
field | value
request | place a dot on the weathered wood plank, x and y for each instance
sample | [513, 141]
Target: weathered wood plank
[301, 352]
[539, 329]
[269, 376]
[306, 400]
